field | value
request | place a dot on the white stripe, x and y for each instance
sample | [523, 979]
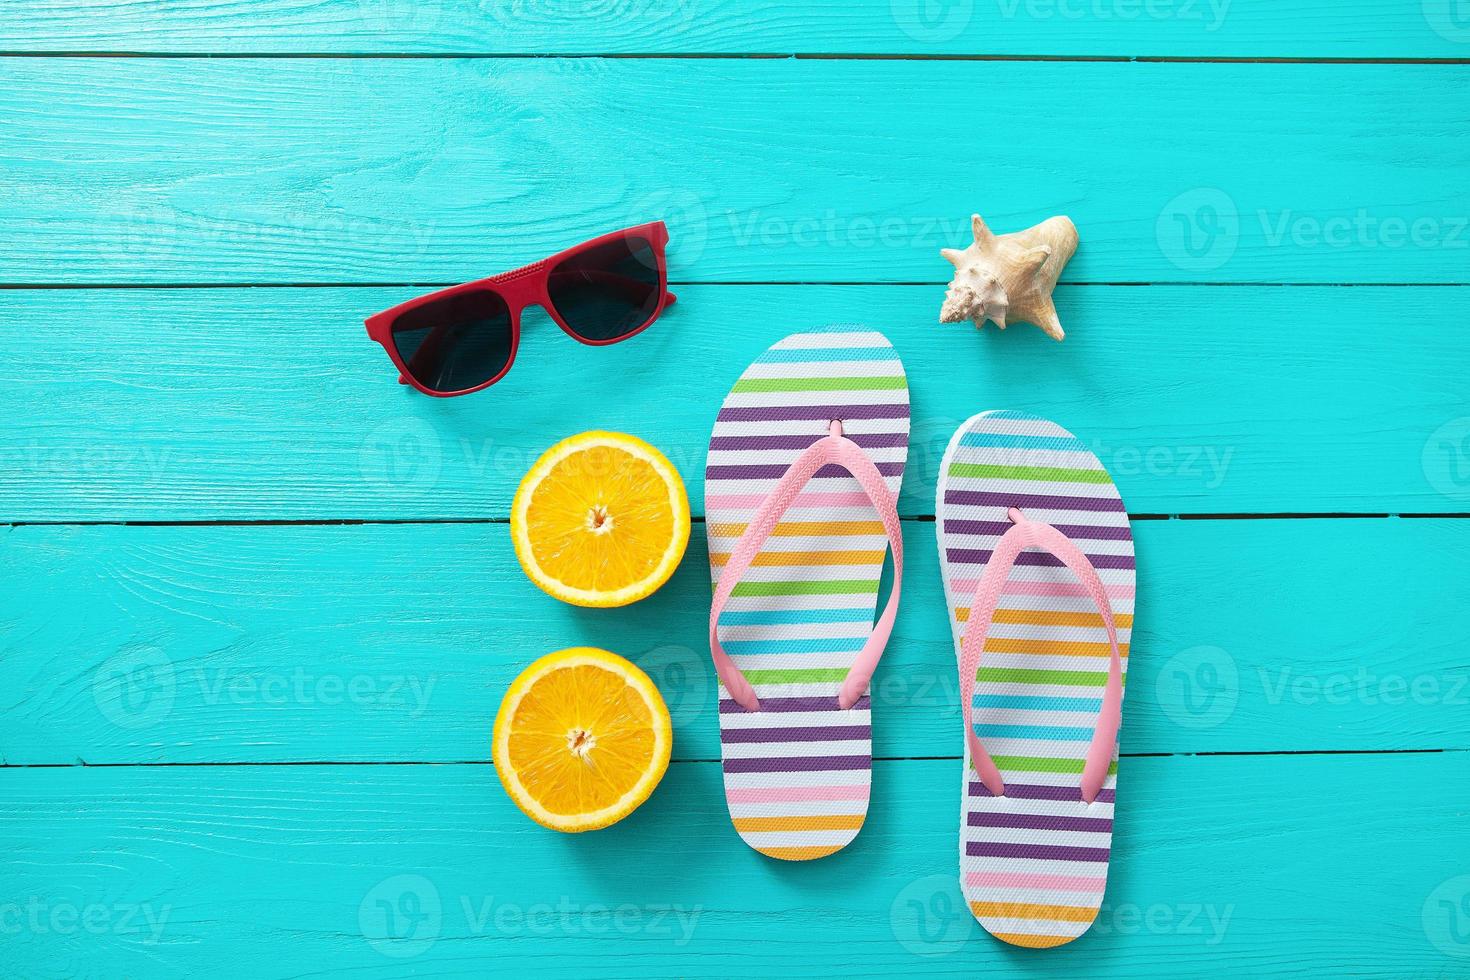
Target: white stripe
[1046, 515]
[759, 780]
[1020, 427]
[1045, 838]
[776, 603]
[838, 397]
[1035, 896]
[812, 719]
[793, 661]
[1015, 456]
[763, 457]
[807, 631]
[1050, 488]
[825, 369]
[1025, 866]
[796, 750]
[801, 427]
[804, 838]
[835, 338]
[801, 808]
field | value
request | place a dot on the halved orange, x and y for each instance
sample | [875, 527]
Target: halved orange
[581, 739]
[601, 519]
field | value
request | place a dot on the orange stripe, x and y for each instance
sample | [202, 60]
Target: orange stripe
[1027, 910]
[1032, 942]
[800, 853]
[1051, 648]
[780, 559]
[841, 821]
[803, 529]
[1046, 617]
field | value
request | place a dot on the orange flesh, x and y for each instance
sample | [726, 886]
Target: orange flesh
[600, 520]
[580, 739]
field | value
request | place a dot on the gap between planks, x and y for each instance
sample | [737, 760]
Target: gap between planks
[724, 56]
[699, 519]
[82, 764]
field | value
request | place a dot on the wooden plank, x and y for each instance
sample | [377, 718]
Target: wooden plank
[273, 404]
[1220, 866]
[1172, 28]
[392, 170]
[395, 643]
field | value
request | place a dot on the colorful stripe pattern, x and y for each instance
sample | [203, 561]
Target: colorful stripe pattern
[1034, 862]
[797, 772]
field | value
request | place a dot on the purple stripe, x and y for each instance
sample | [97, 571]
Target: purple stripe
[816, 763]
[1076, 531]
[759, 471]
[978, 556]
[837, 733]
[978, 498]
[821, 413]
[868, 440]
[1021, 791]
[730, 707]
[1035, 852]
[1026, 821]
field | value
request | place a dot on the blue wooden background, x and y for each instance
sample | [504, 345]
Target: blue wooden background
[260, 603]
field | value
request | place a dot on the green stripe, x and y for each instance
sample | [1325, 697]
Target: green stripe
[1035, 763]
[842, 586]
[798, 675]
[1050, 474]
[1019, 675]
[891, 382]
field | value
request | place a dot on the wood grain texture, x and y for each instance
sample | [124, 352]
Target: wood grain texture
[273, 404]
[396, 643]
[352, 170]
[295, 871]
[1173, 28]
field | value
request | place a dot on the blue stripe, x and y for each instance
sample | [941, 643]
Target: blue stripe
[1029, 703]
[1050, 733]
[756, 647]
[780, 617]
[828, 354]
[999, 440]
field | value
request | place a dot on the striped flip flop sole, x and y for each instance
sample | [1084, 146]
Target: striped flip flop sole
[1034, 862]
[798, 771]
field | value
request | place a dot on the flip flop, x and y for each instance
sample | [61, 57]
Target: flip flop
[801, 489]
[1038, 569]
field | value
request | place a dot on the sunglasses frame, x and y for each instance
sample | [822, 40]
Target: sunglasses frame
[523, 287]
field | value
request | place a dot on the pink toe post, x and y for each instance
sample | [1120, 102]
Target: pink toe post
[1026, 533]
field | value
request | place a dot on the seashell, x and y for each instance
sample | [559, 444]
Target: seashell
[1009, 278]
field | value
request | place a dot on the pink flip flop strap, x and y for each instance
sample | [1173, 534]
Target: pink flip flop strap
[835, 448]
[1024, 534]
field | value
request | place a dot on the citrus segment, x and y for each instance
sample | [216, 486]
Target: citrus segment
[581, 739]
[601, 519]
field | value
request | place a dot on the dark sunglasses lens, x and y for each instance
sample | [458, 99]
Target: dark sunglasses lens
[609, 291]
[455, 343]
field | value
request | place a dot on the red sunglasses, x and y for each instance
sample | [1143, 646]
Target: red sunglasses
[464, 338]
